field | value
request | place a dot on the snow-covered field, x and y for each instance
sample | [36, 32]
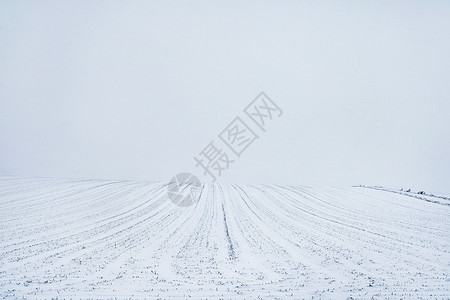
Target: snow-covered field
[106, 239]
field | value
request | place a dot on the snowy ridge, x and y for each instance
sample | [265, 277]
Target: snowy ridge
[438, 199]
[115, 239]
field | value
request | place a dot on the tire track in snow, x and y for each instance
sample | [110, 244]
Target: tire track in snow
[227, 234]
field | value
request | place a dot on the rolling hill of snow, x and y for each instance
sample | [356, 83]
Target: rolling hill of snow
[62, 238]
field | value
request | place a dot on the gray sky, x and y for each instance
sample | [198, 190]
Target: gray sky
[136, 89]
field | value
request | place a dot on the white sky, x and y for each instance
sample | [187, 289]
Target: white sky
[135, 89]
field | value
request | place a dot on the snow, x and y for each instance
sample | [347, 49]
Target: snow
[62, 238]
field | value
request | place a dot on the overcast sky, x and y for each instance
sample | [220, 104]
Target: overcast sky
[135, 89]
